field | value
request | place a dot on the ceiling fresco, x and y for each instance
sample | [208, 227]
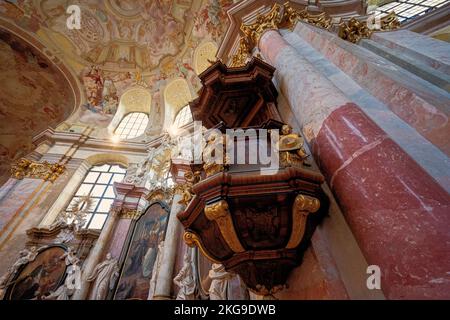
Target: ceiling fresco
[123, 44]
[33, 96]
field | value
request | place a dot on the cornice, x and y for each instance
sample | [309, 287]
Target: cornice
[241, 12]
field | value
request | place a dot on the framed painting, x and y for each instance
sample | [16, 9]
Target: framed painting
[39, 277]
[136, 273]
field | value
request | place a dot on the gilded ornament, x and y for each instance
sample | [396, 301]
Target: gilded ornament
[354, 30]
[25, 168]
[303, 206]
[219, 212]
[292, 16]
[291, 148]
[185, 189]
[269, 21]
[192, 240]
[242, 55]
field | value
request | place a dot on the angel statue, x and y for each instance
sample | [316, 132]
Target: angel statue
[104, 277]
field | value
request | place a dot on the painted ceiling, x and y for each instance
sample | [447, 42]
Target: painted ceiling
[33, 96]
[124, 43]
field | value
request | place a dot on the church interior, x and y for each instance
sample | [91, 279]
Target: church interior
[224, 150]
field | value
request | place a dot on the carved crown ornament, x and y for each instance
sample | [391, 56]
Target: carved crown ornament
[287, 17]
[25, 168]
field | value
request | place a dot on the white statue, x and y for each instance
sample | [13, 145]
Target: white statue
[105, 275]
[70, 257]
[219, 284]
[25, 256]
[185, 279]
[155, 272]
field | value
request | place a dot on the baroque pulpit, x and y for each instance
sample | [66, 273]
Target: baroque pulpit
[255, 218]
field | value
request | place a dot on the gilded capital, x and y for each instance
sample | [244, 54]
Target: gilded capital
[268, 21]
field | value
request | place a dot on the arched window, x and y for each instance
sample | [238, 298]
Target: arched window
[132, 125]
[183, 117]
[98, 185]
[409, 9]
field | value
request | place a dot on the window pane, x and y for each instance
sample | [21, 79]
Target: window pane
[84, 190]
[117, 178]
[132, 125]
[98, 190]
[109, 193]
[91, 177]
[105, 205]
[104, 178]
[98, 221]
[103, 168]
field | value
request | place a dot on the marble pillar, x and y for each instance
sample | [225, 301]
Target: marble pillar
[398, 213]
[173, 233]
[96, 255]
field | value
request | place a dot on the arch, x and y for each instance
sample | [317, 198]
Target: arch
[176, 95]
[204, 52]
[136, 99]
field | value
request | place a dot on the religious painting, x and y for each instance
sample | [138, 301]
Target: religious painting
[137, 270]
[40, 277]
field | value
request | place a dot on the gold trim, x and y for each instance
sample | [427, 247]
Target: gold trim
[303, 206]
[268, 21]
[292, 16]
[25, 168]
[244, 52]
[220, 213]
[354, 30]
[291, 148]
[130, 214]
[192, 240]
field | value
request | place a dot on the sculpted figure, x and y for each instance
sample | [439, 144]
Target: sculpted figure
[219, 284]
[156, 269]
[25, 256]
[185, 279]
[105, 275]
[225, 285]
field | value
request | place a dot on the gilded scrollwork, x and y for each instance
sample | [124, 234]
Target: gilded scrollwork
[25, 168]
[302, 207]
[219, 212]
[185, 189]
[291, 16]
[192, 240]
[242, 54]
[354, 30]
[217, 163]
[269, 21]
[292, 152]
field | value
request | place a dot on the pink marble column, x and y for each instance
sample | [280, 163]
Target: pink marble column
[397, 212]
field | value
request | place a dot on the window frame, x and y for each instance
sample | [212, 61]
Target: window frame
[99, 200]
[138, 132]
[180, 123]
